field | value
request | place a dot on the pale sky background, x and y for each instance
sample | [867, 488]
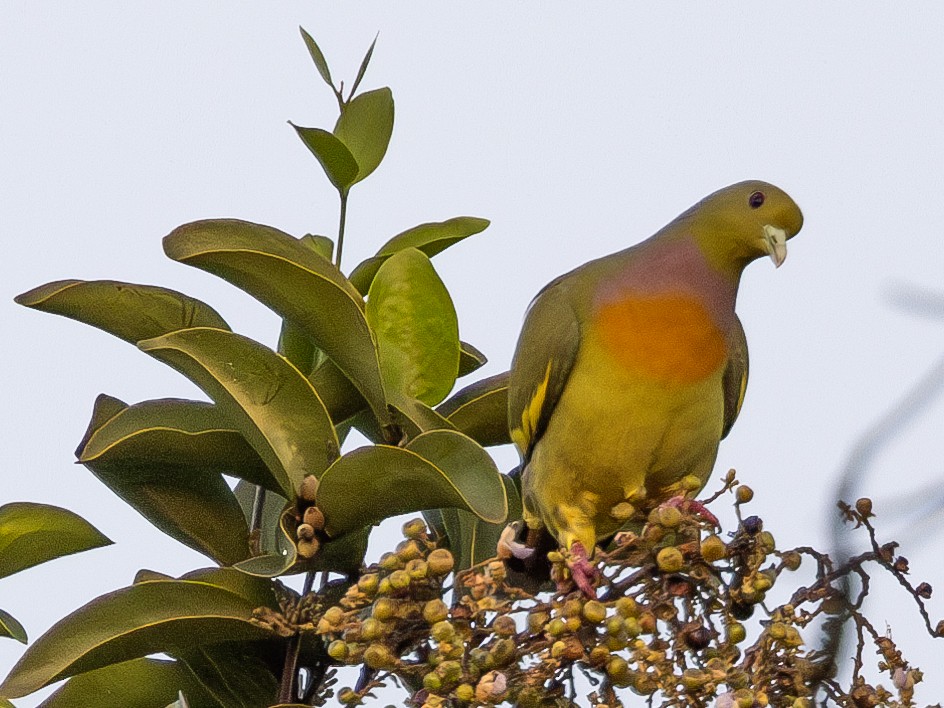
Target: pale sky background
[577, 131]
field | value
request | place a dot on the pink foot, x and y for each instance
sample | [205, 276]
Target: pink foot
[582, 570]
[694, 506]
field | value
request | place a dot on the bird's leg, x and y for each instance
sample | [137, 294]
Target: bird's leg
[582, 570]
[694, 506]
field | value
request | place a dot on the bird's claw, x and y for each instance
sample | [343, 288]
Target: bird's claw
[582, 570]
[695, 507]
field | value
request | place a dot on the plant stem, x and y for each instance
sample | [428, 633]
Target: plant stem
[341, 220]
[258, 503]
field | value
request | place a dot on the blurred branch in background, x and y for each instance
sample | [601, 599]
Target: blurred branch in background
[915, 505]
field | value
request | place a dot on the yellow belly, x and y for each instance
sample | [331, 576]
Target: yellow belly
[633, 419]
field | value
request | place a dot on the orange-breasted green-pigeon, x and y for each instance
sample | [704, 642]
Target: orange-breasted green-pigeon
[631, 368]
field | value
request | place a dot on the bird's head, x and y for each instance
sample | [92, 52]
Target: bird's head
[744, 221]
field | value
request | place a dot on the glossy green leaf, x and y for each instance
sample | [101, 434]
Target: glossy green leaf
[470, 359]
[480, 410]
[340, 396]
[131, 684]
[295, 282]
[334, 156]
[169, 616]
[473, 540]
[267, 399]
[438, 469]
[365, 126]
[175, 433]
[363, 67]
[317, 57]
[128, 311]
[257, 591]
[166, 459]
[414, 418]
[11, 627]
[236, 674]
[31, 534]
[430, 238]
[414, 320]
[277, 559]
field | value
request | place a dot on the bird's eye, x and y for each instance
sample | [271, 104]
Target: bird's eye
[756, 199]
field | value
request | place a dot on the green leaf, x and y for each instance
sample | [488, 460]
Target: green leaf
[480, 410]
[256, 591]
[128, 311]
[470, 359]
[317, 57]
[31, 534]
[438, 469]
[430, 238]
[267, 399]
[334, 156]
[340, 396]
[169, 616]
[364, 127]
[11, 627]
[363, 68]
[166, 459]
[176, 433]
[138, 682]
[236, 673]
[414, 320]
[473, 540]
[295, 282]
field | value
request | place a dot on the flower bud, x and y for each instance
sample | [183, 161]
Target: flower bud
[440, 562]
[670, 560]
[309, 488]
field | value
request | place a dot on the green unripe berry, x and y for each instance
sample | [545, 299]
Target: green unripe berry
[408, 550]
[744, 698]
[632, 627]
[378, 656]
[368, 583]
[432, 682]
[389, 561]
[338, 650]
[736, 633]
[371, 629]
[348, 697]
[572, 624]
[765, 540]
[384, 609]
[627, 607]
[399, 580]
[744, 494]
[791, 561]
[572, 608]
[670, 560]
[614, 625]
[443, 631]
[558, 648]
[451, 671]
[713, 549]
[440, 562]
[416, 569]
[691, 483]
[594, 612]
[465, 692]
[556, 627]
[414, 529]
[618, 670]
[334, 615]
[435, 611]
[384, 587]
[504, 651]
[599, 655]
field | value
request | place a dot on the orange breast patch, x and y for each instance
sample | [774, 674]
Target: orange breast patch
[671, 337]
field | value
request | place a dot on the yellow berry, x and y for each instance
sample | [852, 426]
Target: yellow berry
[670, 560]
